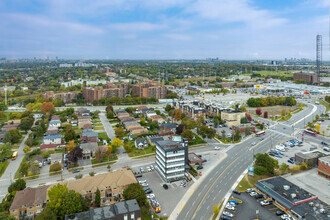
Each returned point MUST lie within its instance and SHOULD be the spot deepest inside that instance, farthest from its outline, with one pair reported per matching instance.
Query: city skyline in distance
(163, 29)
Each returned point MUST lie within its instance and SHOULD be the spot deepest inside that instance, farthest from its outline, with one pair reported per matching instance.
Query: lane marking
(182, 206)
(192, 192)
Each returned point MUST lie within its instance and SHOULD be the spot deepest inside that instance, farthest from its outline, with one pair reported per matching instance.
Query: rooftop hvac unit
(286, 187)
(293, 195)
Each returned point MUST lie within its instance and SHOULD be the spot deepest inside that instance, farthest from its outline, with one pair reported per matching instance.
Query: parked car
(76, 171)
(259, 196)
(230, 207)
(291, 161)
(253, 194)
(144, 184)
(138, 175)
(183, 183)
(224, 217)
(165, 186)
(151, 196)
(148, 191)
(279, 212)
(142, 181)
(237, 192)
(326, 149)
(266, 202)
(152, 167)
(285, 216)
(229, 214)
(234, 201)
(200, 167)
(250, 190)
(323, 143)
(141, 169)
(204, 161)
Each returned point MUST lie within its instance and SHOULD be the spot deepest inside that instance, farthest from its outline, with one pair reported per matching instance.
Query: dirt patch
(273, 110)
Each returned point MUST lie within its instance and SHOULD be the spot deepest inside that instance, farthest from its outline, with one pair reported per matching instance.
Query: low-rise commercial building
(172, 159)
(324, 166)
(232, 117)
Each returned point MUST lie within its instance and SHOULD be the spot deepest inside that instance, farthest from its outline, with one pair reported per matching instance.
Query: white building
(54, 124)
(81, 81)
(52, 139)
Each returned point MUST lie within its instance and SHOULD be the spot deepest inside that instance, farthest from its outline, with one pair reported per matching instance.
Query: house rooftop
(325, 159)
(29, 197)
(53, 136)
(168, 125)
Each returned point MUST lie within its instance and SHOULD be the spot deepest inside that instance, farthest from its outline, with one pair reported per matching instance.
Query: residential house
(52, 139)
(54, 124)
(88, 126)
(48, 147)
(141, 143)
(83, 112)
(88, 135)
(153, 140)
(10, 127)
(74, 122)
(125, 210)
(88, 149)
(150, 113)
(55, 117)
(82, 124)
(167, 129)
(159, 119)
(111, 185)
(29, 202)
(138, 131)
(84, 118)
(51, 132)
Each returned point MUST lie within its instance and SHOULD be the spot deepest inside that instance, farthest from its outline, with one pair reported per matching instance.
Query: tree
(189, 123)
(284, 167)
(63, 202)
(264, 160)
(7, 137)
(142, 121)
(116, 143)
(26, 124)
(215, 210)
(188, 134)
(74, 155)
(45, 154)
(135, 191)
(177, 115)
(18, 185)
(70, 146)
(248, 116)
(168, 108)
(5, 151)
(15, 135)
(109, 151)
(247, 131)
(120, 132)
(258, 111)
(317, 117)
(260, 170)
(46, 214)
(153, 125)
(109, 108)
(303, 166)
(97, 198)
(110, 115)
(283, 112)
(179, 129)
(69, 134)
(46, 107)
(26, 149)
(55, 167)
(237, 135)
(318, 127)
(323, 132)
(265, 114)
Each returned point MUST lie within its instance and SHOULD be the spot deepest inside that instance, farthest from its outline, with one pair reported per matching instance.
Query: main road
(220, 180)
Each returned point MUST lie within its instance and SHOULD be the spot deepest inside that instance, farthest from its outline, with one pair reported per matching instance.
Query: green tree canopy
(135, 191)
(19, 184)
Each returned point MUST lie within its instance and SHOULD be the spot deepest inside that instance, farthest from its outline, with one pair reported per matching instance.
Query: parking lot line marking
(182, 207)
(192, 192)
(273, 208)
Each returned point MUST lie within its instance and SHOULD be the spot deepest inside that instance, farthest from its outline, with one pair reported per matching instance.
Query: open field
(273, 110)
(274, 73)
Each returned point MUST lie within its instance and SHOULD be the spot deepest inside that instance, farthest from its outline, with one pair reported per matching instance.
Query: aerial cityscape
(185, 109)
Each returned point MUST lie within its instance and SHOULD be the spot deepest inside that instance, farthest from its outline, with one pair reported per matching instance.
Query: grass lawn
(273, 110)
(105, 161)
(98, 128)
(197, 140)
(274, 73)
(5, 119)
(326, 105)
(140, 152)
(98, 124)
(17, 174)
(114, 121)
(3, 167)
(78, 131)
(248, 182)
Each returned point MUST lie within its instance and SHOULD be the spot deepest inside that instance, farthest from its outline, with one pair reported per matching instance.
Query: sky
(163, 29)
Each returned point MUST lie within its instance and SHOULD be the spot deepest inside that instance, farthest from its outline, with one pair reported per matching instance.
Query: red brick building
(324, 166)
(149, 90)
(311, 78)
(65, 96)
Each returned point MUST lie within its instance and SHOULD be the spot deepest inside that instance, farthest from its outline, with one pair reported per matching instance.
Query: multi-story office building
(150, 90)
(172, 159)
(65, 96)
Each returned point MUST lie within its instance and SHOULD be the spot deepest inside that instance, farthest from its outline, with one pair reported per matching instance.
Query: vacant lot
(275, 73)
(273, 110)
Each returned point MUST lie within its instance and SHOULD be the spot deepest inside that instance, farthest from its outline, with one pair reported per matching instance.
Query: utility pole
(6, 94)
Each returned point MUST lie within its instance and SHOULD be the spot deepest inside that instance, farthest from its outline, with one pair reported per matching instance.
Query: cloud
(135, 26)
(176, 36)
(230, 11)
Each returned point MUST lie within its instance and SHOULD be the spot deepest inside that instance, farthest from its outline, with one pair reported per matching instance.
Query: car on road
(216, 148)
(279, 212)
(253, 143)
(141, 169)
(204, 161)
(183, 183)
(200, 167)
(152, 167)
(151, 196)
(237, 192)
(250, 190)
(165, 186)
(148, 191)
(327, 149)
(229, 214)
(323, 143)
(253, 194)
(144, 184)
(261, 139)
(76, 171)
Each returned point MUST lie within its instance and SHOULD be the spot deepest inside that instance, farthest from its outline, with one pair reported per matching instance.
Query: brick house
(324, 167)
(88, 135)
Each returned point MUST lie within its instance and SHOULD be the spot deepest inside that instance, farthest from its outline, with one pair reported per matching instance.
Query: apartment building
(65, 96)
(311, 78)
(191, 109)
(111, 185)
(150, 90)
(107, 91)
(172, 159)
(29, 202)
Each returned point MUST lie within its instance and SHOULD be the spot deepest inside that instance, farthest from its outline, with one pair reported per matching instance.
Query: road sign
(251, 170)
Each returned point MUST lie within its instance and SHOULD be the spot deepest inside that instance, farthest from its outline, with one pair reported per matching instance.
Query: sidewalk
(192, 189)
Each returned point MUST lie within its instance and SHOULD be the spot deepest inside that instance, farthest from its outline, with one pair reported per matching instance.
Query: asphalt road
(239, 157)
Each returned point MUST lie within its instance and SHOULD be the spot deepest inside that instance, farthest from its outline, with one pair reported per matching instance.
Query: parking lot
(250, 208)
(167, 198)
